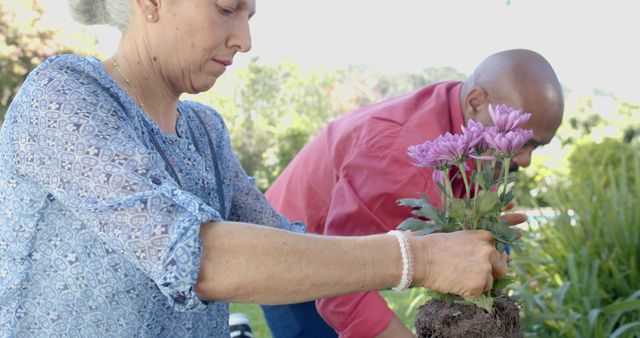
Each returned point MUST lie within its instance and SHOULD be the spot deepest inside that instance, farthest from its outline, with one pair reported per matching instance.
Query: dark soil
(442, 318)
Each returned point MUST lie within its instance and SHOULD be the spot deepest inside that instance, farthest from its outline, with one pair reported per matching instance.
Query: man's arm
(395, 329)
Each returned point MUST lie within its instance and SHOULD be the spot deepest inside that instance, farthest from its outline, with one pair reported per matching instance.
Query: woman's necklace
(126, 79)
(135, 92)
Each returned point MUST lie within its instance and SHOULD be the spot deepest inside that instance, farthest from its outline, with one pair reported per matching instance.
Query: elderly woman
(126, 213)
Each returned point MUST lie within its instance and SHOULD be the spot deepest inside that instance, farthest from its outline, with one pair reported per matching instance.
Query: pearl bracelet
(407, 263)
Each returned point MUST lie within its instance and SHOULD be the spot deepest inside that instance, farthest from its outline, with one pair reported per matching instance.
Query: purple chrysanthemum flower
(426, 156)
(506, 119)
(441, 153)
(507, 143)
(438, 176)
(455, 147)
(474, 132)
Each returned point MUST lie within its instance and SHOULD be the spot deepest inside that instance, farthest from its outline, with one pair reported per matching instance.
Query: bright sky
(591, 43)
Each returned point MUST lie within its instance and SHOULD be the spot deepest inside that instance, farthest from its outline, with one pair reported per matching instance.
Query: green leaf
(423, 208)
(501, 284)
(451, 227)
(477, 178)
(410, 202)
(458, 209)
(515, 247)
(484, 301)
(506, 198)
(412, 224)
(487, 202)
(623, 329)
(487, 178)
(501, 232)
(624, 306)
(429, 229)
(427, 211)
(593, 317)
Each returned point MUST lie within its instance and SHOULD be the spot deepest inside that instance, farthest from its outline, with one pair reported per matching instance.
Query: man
(355, 170)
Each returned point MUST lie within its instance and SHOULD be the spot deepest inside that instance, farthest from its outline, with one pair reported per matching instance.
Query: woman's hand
(463, 262)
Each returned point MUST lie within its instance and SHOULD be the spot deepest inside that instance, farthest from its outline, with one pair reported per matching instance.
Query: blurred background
(315, 60)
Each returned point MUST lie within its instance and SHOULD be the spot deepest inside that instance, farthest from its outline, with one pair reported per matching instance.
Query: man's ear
(474, 101)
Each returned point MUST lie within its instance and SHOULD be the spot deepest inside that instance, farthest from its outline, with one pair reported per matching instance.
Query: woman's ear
(149, 6)
(475, 101)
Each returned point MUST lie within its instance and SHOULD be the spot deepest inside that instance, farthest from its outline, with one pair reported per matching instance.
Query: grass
(256, 318)
(400, 302)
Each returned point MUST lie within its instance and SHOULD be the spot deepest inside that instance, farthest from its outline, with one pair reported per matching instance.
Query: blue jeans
(300, 320)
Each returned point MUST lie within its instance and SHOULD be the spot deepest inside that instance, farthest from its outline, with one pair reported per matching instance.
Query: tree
(26, 41)
(274, 110)
(277, 108)
(394, 85)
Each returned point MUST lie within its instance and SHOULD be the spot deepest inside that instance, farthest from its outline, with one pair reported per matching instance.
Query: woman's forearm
(254, 264)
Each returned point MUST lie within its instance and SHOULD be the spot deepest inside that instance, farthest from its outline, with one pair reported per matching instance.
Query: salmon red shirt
(346, 182)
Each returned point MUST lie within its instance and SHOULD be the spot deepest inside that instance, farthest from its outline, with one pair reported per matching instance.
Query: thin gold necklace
(135, 92)
(126, 79)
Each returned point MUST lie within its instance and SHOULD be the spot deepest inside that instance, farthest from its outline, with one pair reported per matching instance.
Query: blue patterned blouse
(100, 210)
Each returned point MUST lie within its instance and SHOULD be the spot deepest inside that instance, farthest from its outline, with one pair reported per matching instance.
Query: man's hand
(463, 262)
(512, 219)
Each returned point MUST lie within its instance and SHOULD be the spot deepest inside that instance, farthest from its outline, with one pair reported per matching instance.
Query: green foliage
(25, 42)
(273, 112)
(399, 84)
(579, 275)
(598, 116)
(610, 153)
(276, 109)
(404, 304)
(483, 301)
(482, 211)
(528, 189)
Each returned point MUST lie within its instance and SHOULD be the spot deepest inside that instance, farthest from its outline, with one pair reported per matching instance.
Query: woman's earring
(151, 18)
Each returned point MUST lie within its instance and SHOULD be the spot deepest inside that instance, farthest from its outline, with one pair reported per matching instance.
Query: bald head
(521, 79)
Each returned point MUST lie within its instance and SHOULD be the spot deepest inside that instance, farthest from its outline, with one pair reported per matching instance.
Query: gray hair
(97, 12)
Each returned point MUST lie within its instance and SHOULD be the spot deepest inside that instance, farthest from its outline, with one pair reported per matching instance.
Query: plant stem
(477, 185)
(505, 172)
(466, 182)
(447, 183)
(493, 171)
(443, 194)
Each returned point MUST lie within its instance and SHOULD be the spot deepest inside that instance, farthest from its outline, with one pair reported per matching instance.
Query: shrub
(579, 273)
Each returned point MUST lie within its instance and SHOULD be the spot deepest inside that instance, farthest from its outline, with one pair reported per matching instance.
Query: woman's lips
(225, 63)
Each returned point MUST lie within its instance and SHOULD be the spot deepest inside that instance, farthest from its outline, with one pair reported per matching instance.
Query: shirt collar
(457, 119)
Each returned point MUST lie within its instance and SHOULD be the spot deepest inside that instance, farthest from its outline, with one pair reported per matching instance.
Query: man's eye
(227, 11)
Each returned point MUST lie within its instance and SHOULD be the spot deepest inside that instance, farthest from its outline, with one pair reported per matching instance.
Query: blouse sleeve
(248, 204)
(69, 136)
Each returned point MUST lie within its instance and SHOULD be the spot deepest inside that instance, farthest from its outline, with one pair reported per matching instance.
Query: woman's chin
(202, 86)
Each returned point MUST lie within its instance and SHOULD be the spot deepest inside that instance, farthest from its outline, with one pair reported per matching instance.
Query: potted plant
(480, 157)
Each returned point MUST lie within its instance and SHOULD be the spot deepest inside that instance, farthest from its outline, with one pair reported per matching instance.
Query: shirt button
(156, 180)
(180, 298)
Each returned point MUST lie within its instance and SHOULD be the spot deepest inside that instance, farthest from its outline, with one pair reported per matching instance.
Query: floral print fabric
(100, 210)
